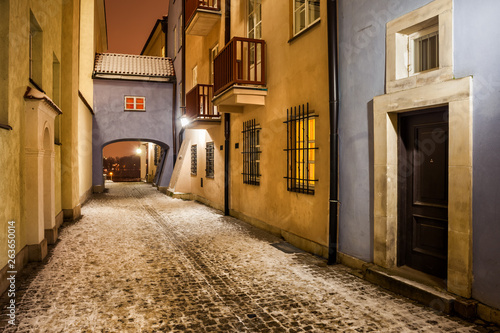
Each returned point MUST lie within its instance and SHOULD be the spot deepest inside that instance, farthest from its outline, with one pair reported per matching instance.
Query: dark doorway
(423, 191)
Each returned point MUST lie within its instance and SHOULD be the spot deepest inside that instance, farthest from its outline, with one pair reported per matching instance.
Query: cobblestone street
(139, 261)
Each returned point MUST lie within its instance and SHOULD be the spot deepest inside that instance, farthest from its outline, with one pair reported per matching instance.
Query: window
(179, 24)
(135, 103)
(254, 19)
(424, 50)
(213, 53)
(175, 41)
(305, 13)
(157, 155)
(56, 80)
(210, 159)
(251, 153)
(195, 75)
(35, 52)
(301, 149)
(194, 160)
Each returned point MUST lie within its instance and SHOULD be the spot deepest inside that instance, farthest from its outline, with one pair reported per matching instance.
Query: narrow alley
(139, 261)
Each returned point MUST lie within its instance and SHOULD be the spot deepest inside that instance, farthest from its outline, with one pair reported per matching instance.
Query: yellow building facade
(271, 80)
(46, 52)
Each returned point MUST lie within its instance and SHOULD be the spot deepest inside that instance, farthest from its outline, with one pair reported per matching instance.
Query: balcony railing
(241, 61)
(199, 103)
(193, 5)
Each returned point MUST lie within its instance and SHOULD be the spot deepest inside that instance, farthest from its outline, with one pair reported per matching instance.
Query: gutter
(334, 114)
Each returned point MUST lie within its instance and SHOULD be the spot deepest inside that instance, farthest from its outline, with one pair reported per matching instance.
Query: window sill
(303, 32)
(6, 127)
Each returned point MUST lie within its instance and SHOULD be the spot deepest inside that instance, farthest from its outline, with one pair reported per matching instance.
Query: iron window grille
(426, 52)
(251, 153)
(157, 153)
(301, 149)
(210, 147)
(194, 160)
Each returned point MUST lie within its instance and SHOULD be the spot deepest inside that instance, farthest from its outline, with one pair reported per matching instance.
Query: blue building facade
(133, 102)
(379, 86)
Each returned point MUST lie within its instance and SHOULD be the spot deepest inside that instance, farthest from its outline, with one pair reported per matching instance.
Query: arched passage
(163, 168)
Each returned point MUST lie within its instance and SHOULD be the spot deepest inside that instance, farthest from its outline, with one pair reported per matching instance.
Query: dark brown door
(423, 191)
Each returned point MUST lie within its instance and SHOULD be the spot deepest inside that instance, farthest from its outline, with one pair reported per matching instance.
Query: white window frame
(213, 53)
(135, 99)
(305, 6)
(253, 17)
(195, 75)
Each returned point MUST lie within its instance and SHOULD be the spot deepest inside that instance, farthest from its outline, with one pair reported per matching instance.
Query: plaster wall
(296, 75)
(111, 123)
(476, 55)
(361, 77)
(69, 106)
(174, 12)
(84, 151)
(14, 78)
(157, 42)
(213, 188)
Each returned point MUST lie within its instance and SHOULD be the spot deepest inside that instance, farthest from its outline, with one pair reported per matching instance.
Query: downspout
(334, 114)
(227, 116)
(164, 28)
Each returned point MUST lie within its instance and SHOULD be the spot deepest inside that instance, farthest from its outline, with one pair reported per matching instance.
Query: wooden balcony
(240, 74)
(199, 107)
(201, 16)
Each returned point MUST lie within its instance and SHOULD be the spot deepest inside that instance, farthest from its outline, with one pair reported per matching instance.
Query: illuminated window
(301, 150)
(305, 13)
(135, 103)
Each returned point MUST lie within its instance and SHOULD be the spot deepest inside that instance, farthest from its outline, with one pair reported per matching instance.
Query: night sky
(129, 24)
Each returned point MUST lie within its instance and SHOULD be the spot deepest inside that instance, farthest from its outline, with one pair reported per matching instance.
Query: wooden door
(423, 191)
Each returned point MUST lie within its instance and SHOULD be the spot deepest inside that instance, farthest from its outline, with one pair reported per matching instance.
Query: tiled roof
(135, 65)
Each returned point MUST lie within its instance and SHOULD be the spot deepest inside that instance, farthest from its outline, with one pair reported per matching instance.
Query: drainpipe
(164, 28)
(227, 116)
(334, 114)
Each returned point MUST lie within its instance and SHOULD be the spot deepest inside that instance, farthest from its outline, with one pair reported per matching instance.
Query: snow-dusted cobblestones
(139, 261)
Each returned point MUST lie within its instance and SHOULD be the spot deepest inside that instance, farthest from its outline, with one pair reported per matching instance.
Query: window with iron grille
(301, 149)
(251, 153)
(194, 160)
(210, 159)
(157, 156)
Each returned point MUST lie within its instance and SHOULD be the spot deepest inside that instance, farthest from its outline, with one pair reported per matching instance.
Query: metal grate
(251, 152)
(194, 159)
(210, 159)
(301, 149)
(427, 52)
(157, 154)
